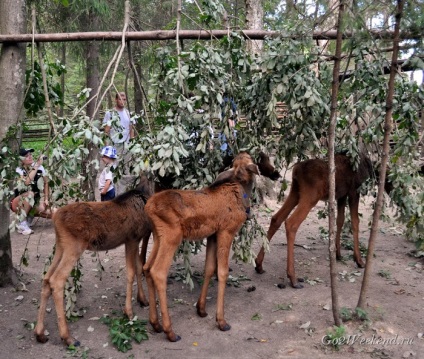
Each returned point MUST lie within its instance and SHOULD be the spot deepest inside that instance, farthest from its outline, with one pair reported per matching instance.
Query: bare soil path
(267, 322)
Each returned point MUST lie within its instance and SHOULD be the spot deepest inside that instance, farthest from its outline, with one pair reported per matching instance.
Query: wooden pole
(189, 34)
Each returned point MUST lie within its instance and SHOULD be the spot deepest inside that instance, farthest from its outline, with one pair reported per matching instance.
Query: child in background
(106, 188)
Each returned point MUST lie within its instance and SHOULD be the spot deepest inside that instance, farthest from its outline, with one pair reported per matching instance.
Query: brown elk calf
(216, 212)
(95, 226)
(309, 185)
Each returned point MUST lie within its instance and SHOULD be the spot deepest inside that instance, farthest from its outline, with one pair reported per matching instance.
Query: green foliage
(77, 352)
(361, 314)
(336, 336)
(236, 281)
(123, 331)
(286, 73)
(186, 250)
(35, 99)
(256, 316)
(73, 286)
(242, 244)
(283, 307)
(345, 314)
(384, 273)
(408, 195)
(212, 14)
(348, 244)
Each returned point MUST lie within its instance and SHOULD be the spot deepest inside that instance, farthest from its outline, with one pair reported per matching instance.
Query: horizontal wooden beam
(184, 34)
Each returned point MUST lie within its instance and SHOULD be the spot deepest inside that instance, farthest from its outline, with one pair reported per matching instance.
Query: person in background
(228, 113)
(31, 197)
(119, 128)
(106, 188)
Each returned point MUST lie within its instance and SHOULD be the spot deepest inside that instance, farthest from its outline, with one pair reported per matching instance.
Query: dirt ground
(267, 322)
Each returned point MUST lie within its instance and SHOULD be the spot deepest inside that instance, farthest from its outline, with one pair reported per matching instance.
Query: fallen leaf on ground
(409, 354)
(305, 325)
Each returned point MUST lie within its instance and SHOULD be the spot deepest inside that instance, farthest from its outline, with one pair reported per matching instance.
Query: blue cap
(109, 151)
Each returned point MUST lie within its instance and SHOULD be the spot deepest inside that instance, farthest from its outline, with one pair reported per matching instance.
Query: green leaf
(256, 316)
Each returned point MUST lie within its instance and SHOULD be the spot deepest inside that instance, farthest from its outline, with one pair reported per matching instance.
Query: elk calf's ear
(253, 168)
(225, 175)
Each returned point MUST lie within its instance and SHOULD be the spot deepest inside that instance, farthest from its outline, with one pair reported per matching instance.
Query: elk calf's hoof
(201, 313)
(297, 286)
(259, 270)
(224, 327)
(41, 338)
(72, 343)
(174, 338)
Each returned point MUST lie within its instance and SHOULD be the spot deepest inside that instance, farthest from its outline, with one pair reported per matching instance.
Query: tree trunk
(89, 183)
(12, 79)
(328, 24)
(92, 49)
(254, 21)
(388, 125)
(332, 169)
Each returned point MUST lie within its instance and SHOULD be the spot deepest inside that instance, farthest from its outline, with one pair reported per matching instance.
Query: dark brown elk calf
(264, 164)
(309, 185)
(216, 212)
(95, 226)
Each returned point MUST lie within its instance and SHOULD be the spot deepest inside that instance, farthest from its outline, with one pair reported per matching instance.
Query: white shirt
(36, 185)
(106, 174)
(119, 127)
(22, 172)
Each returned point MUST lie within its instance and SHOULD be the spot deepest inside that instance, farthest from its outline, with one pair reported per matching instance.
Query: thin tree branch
(388, 125)
(139, 85)
(121, 50)
(332, 169)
